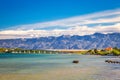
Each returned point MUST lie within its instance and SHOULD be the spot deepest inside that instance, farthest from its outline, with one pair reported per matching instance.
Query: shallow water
(57, 67)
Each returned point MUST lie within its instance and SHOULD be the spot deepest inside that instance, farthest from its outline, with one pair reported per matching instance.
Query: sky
(39, 18)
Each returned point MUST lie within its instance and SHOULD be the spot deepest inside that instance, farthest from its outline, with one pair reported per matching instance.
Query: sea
(57, 67)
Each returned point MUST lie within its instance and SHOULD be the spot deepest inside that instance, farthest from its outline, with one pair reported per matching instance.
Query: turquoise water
(44, 63)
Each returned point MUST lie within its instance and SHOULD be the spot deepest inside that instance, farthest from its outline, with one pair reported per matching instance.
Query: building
(108, 48)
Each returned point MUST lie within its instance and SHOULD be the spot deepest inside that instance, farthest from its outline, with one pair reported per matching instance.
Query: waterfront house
(108, 48)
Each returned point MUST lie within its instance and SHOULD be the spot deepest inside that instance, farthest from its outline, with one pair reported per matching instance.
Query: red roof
(108, 48)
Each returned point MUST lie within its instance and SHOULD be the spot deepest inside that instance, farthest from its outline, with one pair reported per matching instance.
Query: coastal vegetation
(107, 51)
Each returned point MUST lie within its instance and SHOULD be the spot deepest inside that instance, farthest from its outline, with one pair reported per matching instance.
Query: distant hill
(96, 40)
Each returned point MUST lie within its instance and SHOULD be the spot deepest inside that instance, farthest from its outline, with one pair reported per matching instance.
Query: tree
(116, 52)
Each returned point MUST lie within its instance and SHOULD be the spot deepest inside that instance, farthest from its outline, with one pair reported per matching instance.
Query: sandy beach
(65, 74)
(60, 74)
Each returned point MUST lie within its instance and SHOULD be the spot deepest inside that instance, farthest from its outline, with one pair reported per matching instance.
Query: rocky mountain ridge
(96, 40)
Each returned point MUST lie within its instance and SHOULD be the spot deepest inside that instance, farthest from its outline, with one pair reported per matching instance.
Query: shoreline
(108, 51)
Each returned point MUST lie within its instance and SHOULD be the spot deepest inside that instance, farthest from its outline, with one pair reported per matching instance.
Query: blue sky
(55, 15)
(17, 12)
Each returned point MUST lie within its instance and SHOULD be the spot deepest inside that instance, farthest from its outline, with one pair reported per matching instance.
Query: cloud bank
(103, 22)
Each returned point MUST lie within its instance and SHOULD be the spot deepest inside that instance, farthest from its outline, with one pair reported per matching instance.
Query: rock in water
(75, 61)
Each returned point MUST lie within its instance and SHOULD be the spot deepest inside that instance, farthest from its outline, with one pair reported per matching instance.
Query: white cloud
(109, 16)
(78, 25)
(78, 30)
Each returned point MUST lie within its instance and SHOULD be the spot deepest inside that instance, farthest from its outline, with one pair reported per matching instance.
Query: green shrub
(116, 52)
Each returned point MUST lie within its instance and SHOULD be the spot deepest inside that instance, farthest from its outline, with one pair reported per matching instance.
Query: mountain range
(96, 40)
